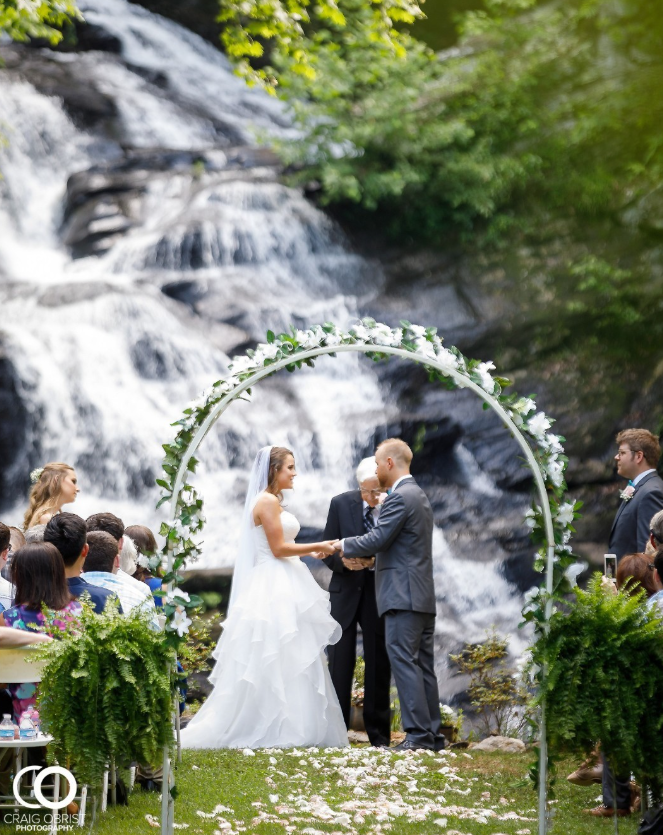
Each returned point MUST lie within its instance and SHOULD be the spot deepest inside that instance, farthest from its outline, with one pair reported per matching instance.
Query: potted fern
(106, 694)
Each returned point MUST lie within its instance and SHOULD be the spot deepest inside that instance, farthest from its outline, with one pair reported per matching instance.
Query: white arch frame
(168, 804)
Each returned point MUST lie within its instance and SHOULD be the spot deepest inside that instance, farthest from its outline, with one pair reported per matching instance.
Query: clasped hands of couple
(353, 564)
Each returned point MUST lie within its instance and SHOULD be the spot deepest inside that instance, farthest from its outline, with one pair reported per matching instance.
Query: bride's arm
(267, 512)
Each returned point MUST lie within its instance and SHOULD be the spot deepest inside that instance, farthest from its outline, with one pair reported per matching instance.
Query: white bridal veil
(246, 553)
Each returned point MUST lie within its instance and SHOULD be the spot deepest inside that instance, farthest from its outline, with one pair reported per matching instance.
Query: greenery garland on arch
(422, 342)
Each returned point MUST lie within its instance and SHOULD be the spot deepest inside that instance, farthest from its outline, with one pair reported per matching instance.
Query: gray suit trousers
(409, 638)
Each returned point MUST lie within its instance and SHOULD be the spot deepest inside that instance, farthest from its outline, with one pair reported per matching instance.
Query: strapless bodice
(290, 531)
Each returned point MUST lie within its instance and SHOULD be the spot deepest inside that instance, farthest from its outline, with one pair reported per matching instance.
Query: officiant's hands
(358, 563)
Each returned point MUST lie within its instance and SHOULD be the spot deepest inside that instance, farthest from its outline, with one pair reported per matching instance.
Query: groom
(402, 541)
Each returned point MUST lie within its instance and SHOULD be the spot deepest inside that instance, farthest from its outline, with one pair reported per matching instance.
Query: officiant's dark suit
(403, 543)
(630, 530)
(352, 595)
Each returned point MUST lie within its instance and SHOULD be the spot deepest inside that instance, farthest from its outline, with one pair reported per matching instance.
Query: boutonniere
(627, 493)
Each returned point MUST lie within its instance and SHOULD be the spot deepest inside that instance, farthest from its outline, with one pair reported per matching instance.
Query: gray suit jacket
(402, 541)
(630, 530)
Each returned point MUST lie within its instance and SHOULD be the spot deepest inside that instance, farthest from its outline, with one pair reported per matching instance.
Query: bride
(272, 688)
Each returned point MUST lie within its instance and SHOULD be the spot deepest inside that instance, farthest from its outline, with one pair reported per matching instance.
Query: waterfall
(143, 243)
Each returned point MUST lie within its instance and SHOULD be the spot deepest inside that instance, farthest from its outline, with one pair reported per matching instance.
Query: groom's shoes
(407, 745)
(440, 743)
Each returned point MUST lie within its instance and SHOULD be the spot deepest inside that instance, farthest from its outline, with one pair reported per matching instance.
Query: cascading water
(140, 252)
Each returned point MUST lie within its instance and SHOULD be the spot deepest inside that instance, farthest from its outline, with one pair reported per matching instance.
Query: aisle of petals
(368, 790)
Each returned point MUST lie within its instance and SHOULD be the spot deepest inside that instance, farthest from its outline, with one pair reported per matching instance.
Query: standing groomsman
(352, 594)
(637, 458)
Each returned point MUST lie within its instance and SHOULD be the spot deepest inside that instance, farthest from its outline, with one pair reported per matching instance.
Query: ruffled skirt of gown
(272, 687)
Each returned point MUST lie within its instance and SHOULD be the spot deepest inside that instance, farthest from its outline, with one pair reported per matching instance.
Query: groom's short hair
(641, 440)
(398, 450)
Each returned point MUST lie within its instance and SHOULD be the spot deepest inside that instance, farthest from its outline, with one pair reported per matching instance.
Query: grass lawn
(360, 790)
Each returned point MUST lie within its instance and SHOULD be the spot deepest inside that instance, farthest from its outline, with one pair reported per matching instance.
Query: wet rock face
(15, 424)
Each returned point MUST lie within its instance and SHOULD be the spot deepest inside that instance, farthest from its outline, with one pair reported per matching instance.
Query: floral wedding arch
(550, 520)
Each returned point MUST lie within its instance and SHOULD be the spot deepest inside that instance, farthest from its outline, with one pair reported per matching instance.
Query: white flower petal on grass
(273, 798)
(248, 752)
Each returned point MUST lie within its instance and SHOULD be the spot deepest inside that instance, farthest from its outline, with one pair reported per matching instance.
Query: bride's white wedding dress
(272, 688)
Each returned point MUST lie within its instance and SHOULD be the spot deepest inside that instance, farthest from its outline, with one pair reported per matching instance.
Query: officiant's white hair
(366, 469)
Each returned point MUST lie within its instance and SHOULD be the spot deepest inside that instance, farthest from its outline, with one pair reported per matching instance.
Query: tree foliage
(603, 663)
(299, 34)
(22, 20)
(539, 102)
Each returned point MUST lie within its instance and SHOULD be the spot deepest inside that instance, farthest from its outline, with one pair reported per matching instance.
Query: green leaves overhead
(25, 19)
(296, 33)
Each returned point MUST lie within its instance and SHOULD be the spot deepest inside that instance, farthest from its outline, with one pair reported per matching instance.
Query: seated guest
(35, 533)
(54, 485)
(113, 525)
(6, 591)
(39, 580)
(69, 535)
(102, 568)
(146, 545)
(16, 541)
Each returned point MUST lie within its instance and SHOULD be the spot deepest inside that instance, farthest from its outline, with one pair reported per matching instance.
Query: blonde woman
(54, 485)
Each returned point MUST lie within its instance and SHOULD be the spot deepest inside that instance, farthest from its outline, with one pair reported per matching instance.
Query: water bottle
(6, 727)
(36, 721)
(26, 730)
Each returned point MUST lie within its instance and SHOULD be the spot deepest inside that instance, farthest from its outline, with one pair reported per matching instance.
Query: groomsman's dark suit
(352, 596)
(630, 530)
(403, 543)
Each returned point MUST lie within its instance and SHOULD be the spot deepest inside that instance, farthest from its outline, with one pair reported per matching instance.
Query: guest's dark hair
(277, 458)
(107, 522)
(634, 574)
(102, 553)
(143, 539)
(68, 533)
(38, 575)
(5, 536)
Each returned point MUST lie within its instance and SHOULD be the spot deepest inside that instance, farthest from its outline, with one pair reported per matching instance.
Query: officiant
(352, 594)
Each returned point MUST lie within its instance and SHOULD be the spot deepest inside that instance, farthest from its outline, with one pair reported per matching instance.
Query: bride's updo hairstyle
(45, 492)
(277, 459)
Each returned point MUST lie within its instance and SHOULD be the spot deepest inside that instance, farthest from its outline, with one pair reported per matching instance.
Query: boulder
(504, 744)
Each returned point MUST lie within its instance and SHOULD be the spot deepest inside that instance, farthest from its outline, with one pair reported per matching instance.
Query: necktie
(630, 483)
(369, 521)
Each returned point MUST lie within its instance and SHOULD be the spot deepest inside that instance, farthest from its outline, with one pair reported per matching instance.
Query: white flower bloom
(538, 425)
(307, 339)
(265, 352)
(487, 382)
(555, 470)
(565, 514)
(532, 594)
(524, 405)
(332, 339)
(180, 622)
(143, 561)
(573, 571)
(418, 332)
(381, 335)
(553, 443)
(360, 332)
(425, 347)
(530, 518)
(447, 361)
(177, 593)
(241, 364)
